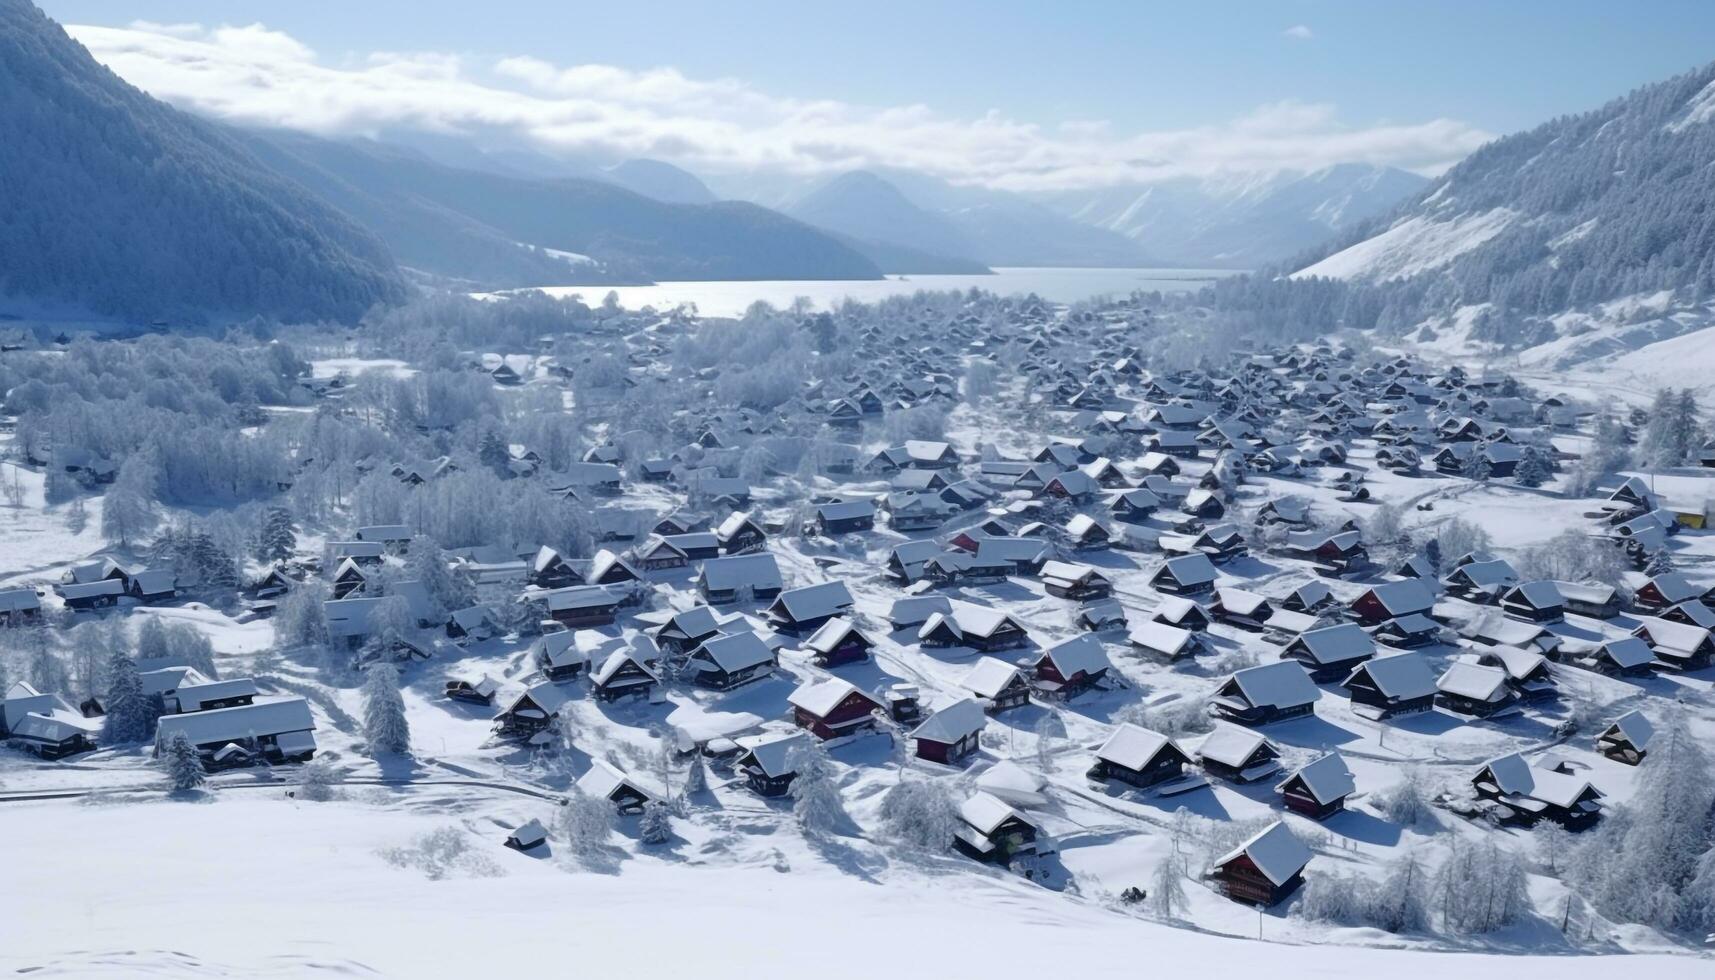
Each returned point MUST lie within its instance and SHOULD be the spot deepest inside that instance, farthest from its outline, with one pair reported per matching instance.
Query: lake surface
(1055, 285)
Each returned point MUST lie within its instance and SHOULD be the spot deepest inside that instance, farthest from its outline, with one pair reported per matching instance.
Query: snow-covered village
(1010, 491)
(1314, 643)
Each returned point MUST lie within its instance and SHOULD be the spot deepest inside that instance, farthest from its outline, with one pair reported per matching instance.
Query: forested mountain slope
(472, 224)
(1585, 209)
(114, 203)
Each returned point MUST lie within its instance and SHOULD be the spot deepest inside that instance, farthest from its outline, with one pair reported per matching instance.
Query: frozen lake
(731, 298)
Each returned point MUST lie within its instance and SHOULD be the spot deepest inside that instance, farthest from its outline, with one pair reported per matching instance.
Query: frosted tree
(1476, 466)
(1050, 731)
(391, 623)
(1166, 891)
(919, 814)
(494, 454)
(276, 539)
(696, 777)
(1636, 865)
(1479, 889)
(317, 782)
(299, 619)
(656, 824)
(586, 822)
(427, 563)
(1459, 537)
(815, 792)
(130, 712)
(385, 727)
(183, 763)
(1400, 903)
(128, 512)
(1532, 470)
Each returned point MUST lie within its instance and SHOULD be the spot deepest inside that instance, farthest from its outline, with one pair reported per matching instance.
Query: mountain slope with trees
(491, 227)
(116, 204)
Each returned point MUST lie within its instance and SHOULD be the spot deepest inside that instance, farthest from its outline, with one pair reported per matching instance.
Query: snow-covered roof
(736, 651)
(760, 572)
(1635, 726)
(603, 780)
(1160, 637)
(831, 634)
(1629, 651)
(241, 722)
(1402, 675)
(820, 697)
(989, 677)
(192, 697)
(913, 610)
(814, 601)
(1081, 653)
(1336, 644)
(985, 813)
(1405, 596)
(1240, 602)
(1327, 778)
(1282, 685)
(1231, 745)
(1013, 783)
(1475, 681)
(1131, 746)
(1275, 851)
(1191, 569)
(955, 721)
(772, 752)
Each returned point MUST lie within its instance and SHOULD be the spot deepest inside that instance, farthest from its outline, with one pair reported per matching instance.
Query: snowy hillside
(1243, 222)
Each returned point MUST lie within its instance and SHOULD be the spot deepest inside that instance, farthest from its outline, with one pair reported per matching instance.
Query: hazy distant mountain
(661, 181)
(864, 206)
(113, 202)
(981, 226)
(1242, 222)
(471, 224)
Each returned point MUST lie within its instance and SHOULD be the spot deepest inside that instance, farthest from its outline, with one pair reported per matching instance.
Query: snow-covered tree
(656, 824)
(276, 539)
(130, 712)
(586, 822)
(183, 763)
(919, 814)
(317, 782)
(1479, 888)
(299, 620)
(385, 727)
(815, 791)
(696, 777)
(1532, 470)
(1636, 867)
(1166, 890)
(1400, 902)
(128, 511)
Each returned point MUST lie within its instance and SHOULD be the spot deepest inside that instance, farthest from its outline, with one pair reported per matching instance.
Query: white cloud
(1299, 32)
(255, 75)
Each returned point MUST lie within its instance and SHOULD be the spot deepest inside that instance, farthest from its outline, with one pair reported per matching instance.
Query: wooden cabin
(1264, 870)
(1139, 758)
(832, 708)
(950, 734)
(1318, 790)
(1400, 684)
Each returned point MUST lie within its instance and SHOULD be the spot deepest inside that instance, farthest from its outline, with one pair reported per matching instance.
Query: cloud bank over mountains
(259, 76)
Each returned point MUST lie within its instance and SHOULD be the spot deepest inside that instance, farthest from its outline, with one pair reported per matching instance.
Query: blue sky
(1150, 89)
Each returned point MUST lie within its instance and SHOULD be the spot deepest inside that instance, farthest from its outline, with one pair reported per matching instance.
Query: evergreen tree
(276, 539)
(696, 777)
(495, 454)
(426, 563)
(183, 763)
(656, 825)
(1476, 466)
(385, 727)
(131, 713)
(815, 792)
(1532, 470)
